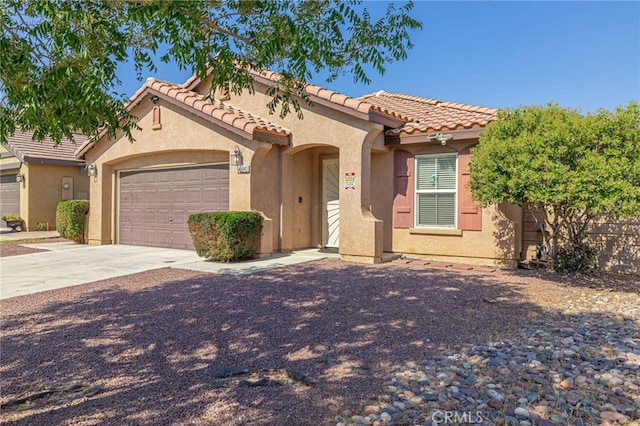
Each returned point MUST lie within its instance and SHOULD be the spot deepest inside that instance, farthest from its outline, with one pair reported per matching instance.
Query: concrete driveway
(68, 264)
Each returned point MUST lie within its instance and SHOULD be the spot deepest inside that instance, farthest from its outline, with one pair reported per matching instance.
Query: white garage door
(155, 204)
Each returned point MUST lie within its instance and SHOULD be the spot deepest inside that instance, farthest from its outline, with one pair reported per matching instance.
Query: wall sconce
(92, 170)
(20, 178)
(441, 137)
(236, 157)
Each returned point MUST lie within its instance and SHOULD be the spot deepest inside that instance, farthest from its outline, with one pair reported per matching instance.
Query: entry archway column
(361, 233)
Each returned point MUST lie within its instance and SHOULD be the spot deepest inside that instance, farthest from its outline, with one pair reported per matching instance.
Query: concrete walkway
(68, 264)
(6, 234)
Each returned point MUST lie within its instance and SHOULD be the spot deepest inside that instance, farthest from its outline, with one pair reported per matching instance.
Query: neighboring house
(36, 176)
(381, 173)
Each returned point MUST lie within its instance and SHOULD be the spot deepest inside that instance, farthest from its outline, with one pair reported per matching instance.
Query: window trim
(417, 193)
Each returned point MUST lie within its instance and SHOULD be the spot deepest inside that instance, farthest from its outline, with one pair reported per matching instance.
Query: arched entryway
(310, 198)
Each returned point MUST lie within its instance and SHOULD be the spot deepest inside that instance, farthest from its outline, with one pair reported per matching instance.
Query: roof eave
(54, 161)
(425, 137)
(14, 151)
(272, 138)
(10, 166)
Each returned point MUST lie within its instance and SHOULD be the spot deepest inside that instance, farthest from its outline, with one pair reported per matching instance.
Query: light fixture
(154, 99)
(443, 138)
(92, 170)
(65, 185)
(20, 178)
(236, 157)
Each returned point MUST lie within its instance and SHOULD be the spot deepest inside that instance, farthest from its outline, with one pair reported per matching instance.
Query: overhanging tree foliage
(566, 165)
(58, 59)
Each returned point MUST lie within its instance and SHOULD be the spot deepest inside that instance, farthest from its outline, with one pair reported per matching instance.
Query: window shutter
(469, 212)
(403, 189)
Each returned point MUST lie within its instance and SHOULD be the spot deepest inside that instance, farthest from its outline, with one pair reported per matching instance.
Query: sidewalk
(68, 264)
(6, 234)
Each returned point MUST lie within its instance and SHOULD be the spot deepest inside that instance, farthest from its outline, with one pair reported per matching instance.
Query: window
(436, 190)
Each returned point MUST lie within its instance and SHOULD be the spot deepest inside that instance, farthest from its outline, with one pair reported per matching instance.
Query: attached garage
(9, 195)
(154, 205)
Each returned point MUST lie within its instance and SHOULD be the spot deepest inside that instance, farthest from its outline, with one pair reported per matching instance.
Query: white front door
(331, 203)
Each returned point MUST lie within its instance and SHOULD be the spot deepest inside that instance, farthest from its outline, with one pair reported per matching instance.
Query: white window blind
(436, 184)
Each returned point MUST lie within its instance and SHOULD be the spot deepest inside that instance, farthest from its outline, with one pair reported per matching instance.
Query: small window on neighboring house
(436, 190)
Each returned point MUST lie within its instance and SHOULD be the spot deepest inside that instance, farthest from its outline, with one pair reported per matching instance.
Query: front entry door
(331, 203)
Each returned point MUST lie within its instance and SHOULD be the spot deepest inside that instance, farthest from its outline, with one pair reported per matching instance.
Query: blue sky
(584, 55)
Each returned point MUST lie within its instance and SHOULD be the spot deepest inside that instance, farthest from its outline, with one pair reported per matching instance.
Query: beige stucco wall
(382, 194)
(42, 191)
(617, 242)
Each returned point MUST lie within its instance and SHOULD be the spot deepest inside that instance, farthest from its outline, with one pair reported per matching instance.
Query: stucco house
(384, 173)
(36, 176)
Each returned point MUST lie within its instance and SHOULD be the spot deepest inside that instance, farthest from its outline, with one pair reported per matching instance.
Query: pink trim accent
(469, 212)
(403, 189)
(156, 115)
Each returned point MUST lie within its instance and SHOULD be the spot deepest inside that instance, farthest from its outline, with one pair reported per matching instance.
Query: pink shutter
(469, 212)
(403, 189)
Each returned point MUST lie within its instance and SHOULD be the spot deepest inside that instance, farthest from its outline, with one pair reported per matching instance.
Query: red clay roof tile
(429, 115)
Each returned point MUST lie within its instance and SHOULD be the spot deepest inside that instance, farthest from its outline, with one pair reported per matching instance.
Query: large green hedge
(70, 219)
(226, 236)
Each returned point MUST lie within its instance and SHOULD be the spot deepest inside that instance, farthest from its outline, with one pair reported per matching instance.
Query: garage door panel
(181, 238)
(161, 238)
(195, 195)
(178, 195)
(155, 204)
(9, 195)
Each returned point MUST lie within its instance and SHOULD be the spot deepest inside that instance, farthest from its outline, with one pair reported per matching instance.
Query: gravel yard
(324, 343)
(15, 249)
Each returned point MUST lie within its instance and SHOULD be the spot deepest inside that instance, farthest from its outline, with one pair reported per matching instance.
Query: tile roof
(29, 151)
(429, 115)
(218, 110)
(238, 121)
(317, 93)
(357, 105)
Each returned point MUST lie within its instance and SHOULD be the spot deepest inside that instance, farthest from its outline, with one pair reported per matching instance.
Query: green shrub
(226, 236)
(580, 257)
(70, 219)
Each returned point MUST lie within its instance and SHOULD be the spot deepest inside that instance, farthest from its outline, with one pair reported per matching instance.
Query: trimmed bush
(226, 236)
(70, 219)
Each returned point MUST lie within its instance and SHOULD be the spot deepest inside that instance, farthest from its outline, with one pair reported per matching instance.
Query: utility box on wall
(67, 188)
